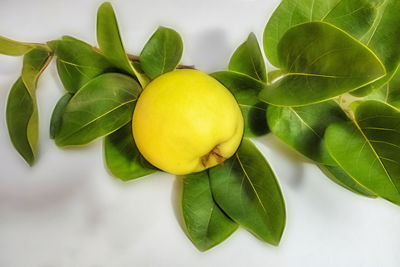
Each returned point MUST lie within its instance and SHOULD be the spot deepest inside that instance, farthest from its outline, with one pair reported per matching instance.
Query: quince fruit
(186, 121)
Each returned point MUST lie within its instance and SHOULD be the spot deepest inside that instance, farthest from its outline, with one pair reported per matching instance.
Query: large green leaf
(13, 48)
(339, 176)
(246, 89)
(78, 62)
(22, 114)
(246, 189)
(162, 52)
(110, 42)
(368, 148)
(249, 60)
(101, 107)
(353, 16)
(384, 39)
(122, 156)
(320, 62)
(206, 224)
(303, 128)
(56, 117)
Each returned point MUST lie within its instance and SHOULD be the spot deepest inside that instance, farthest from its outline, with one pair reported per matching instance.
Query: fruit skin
(186, 121)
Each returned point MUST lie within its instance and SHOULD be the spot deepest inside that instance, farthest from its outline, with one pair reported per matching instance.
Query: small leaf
(162, 52)
(20, 111)
(206, 224)
(110, 42)
(123, 158)
(320, 62)
(13, 48)
(303, 128)
(352, 16)
(368, 148)
(22, 114)
(383, 39)
(246, 189)
(389, 93)
(249, 60)
(35, 61)
(245, 89)
(56, 117)
(339, 176)
(101, 107)
(78, 62)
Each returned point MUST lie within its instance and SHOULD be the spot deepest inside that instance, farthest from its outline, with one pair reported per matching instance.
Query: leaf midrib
(97, 118)
(375, 154)
(252, 186)
(301, 120)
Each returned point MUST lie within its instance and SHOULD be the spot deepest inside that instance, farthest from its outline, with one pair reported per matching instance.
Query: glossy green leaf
(110, 42)
(162, 52)
(384, 38)
(13, 48)
(303, 128)
(206, 224)
(56, 117)
(368, 148)
(101, 107)
(246, 189)
(122, 156)
(353, 16)
(339, 176)
(246, 89)
(320, 62)
(78, 62)
(249, 60)
(21, 113)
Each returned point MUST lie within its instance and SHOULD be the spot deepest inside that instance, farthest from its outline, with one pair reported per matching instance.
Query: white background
(68, 211)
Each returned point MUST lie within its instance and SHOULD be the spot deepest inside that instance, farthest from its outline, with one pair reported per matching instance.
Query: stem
(137, 58)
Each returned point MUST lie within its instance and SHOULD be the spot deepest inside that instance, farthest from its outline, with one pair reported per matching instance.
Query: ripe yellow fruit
(186, 121)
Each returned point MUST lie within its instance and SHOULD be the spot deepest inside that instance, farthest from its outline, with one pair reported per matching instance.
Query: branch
(136, 58)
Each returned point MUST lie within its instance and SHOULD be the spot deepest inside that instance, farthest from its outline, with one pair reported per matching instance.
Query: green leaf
(339, 176)
(13, 48)
(123, 158)
(249, 60)
(206, 224)
(110, 42)
(56, 117)
(383, 39)
(99, 108)
(246, 189)
(353, 16)
(78, 62)
(35, 61)
(303, 128)
(245, 89)
(368, 148)
(320, 62)
(21, 113)
(162, 52)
